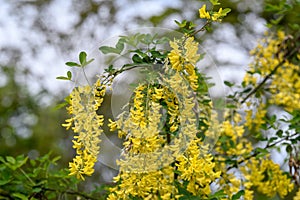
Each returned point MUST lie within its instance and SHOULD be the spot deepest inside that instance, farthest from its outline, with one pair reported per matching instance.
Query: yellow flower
(297, 196)
(86, 123)
(217, 15)
(267, 178)
(203, 13)
(183, 55)
(112, 125)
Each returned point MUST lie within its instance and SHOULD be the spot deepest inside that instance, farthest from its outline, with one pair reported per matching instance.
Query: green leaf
(4, 182)
(21, 160)
(69, 74)
(20, 196)
(36, 190)
(214, 2)
(272, 139)
(72, 64)
(137, 59)
(55, 159)
(225, 11)
(110, 69)
(60, 105)
(289, 148)
(120, 45)
(229, 84)
(247, 90)
(218, 195)
(11, 159)
(82, 57)
(107, 50)
(162, 40)
(88, 62)
(279, 133)
(260, 152)
(148, 39)
(238, 195)
(62, 78)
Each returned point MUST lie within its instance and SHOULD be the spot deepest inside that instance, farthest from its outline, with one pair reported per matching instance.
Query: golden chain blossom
(267, 178)
(285, 83)
(86, 124)
(152, 149)
(183, 58)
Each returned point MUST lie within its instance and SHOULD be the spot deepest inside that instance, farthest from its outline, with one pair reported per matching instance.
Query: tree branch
(287, 56)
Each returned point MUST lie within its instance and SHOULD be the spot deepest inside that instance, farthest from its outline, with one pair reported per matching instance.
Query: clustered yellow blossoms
(258, 174)
(86, 124)
(285, 83)
(266, 177)
(212, 15)
(254, 120)
(261, 175)
(158, 154)
(183, 59)
(163, 156)
(297, 197)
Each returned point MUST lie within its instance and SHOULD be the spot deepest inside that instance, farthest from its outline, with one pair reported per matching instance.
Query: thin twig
(268, 146)
(202, 28)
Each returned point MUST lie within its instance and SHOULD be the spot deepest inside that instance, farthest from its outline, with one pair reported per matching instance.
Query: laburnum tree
(178, 141)
(175, 144)
(170, 119)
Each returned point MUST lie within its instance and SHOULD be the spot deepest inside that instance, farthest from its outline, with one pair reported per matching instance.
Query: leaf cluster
(24, 178)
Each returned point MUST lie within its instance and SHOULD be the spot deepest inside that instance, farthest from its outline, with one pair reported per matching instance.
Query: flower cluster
(197, 170)
(183, 58)
(161, 147)
(232, 142)
(266, 177)
(213, 15)
(270, 60)
(297, 197)
(86, 124)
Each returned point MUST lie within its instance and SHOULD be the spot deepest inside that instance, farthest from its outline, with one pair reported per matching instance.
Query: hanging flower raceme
(86, 125)
(267, 178)
(270, 61)
(183, 58)
(161, 147)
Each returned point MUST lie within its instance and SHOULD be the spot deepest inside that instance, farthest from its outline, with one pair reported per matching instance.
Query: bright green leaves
(238, 195)
(214, 2)
(260, 152)
(72, 64)
(133, 41)
(141, 48)
(225, 11)
(110, 69)
(83, 62)
(24, 178)
(218, 195)
(151, 56)
(117, 49)
(185, 26)
(14, 163)
(82, 59)
(228, 83)
(284, 14)
(68, 77)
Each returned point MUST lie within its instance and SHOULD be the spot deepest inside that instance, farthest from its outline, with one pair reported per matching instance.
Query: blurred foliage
(24, 178)
(25, 123)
